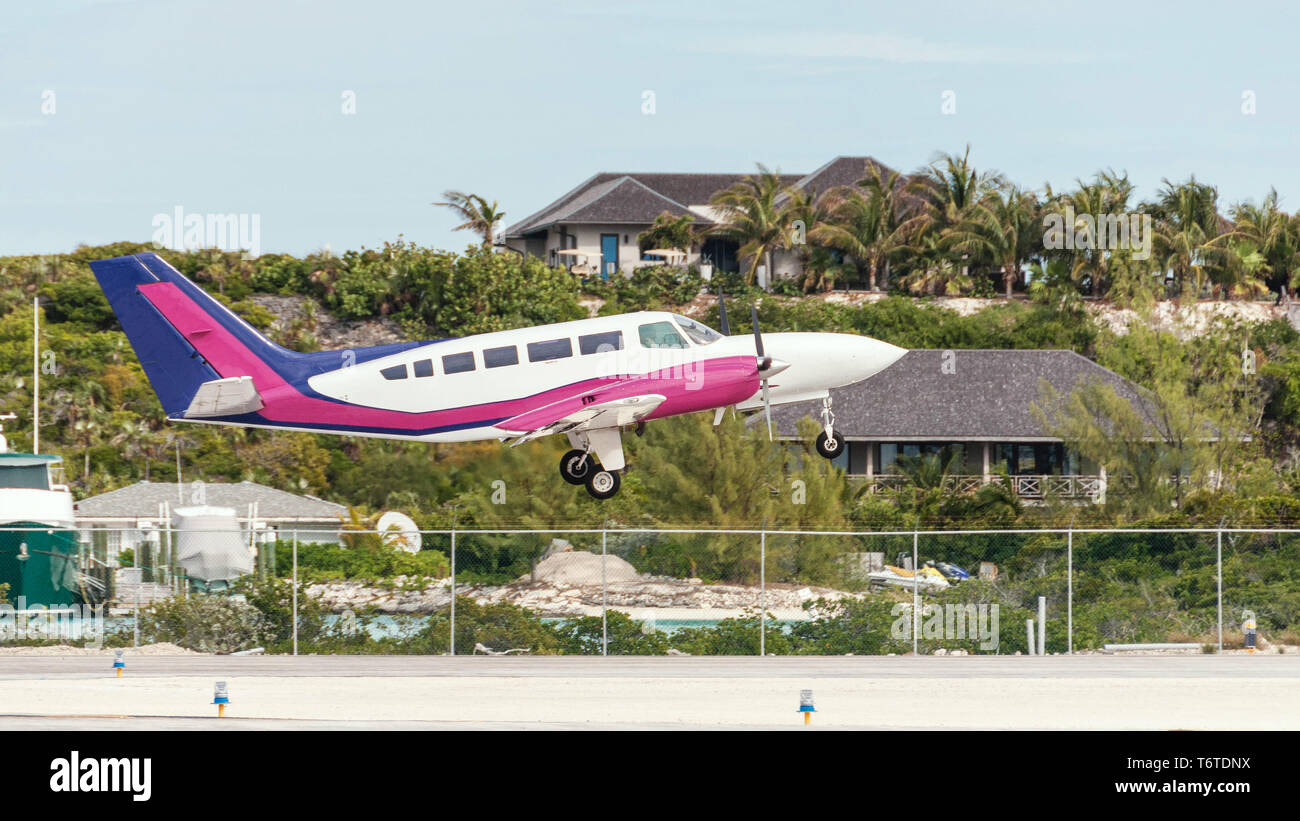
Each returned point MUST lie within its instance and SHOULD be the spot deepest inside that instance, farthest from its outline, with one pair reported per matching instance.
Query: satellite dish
(398, 530)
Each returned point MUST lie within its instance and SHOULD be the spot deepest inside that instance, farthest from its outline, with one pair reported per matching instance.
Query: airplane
(588, 379)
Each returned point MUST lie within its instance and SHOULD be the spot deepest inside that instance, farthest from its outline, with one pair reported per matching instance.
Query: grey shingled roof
(838, 172)
(622, 200)
(988, 397)
(608, 197)
(142, 499)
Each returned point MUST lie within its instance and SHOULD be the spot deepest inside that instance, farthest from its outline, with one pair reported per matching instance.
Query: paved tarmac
(559, 693)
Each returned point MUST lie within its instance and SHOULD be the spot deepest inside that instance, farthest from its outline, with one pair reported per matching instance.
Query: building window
(600, 343)
(423, 368)
(550, 349)
(458, 362)
(395, 372)
(857, 458)
(500, 357)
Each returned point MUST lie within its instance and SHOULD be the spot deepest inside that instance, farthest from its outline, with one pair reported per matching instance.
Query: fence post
(295, 591)
(1069, 590)
(1219, 573)
(453, 584)
(916, 591)
(135, 630)
(1042, 625)
(604, 621)
(762, 591)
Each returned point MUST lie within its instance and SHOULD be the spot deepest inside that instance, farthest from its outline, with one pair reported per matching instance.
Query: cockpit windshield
(699, 333)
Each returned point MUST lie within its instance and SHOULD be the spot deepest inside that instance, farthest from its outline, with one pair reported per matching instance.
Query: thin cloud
(885, 48)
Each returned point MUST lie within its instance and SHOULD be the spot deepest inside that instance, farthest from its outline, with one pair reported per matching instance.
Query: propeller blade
(722, 312)
(758, 337)
(767, 410)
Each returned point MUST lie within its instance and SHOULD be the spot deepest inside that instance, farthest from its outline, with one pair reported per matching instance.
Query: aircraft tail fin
(183, 337)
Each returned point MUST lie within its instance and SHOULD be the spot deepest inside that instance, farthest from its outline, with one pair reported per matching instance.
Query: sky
(337, 124)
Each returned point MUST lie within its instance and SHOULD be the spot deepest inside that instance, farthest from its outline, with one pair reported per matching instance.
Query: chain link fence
(655, 592)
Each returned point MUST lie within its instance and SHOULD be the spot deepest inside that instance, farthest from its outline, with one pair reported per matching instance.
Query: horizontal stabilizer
(225, 397)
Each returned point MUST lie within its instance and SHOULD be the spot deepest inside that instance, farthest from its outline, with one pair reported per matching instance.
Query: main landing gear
(595, 461)
(578, 467)
(829, 444)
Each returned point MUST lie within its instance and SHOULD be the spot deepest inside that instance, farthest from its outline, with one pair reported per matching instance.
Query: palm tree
(947, 187)
(751, 215)
(1187, 220)
(1107, 194)
(1003, 226)
(1271, 233)
(80, 409)
(479, 216)
(934, 270)
(1241, 270)
(805, 208)
(944, 192)
(866, 222)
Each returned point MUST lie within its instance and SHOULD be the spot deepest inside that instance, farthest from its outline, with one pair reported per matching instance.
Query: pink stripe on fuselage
(712, 383)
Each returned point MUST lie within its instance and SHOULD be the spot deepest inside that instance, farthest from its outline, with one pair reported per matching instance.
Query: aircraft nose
(862, 356)
(828, 360)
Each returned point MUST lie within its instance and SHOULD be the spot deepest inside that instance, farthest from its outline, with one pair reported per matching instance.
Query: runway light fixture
(220, 697)
(806, 705)
(1249, 627)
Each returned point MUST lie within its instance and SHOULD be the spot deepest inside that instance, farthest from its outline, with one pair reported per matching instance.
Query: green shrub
(208, 624)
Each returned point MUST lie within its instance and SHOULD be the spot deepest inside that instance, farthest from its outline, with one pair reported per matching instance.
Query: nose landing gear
(829, 444)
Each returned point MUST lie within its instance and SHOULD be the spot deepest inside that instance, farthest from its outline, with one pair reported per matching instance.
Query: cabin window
(600, 343)
(423, 367)
(550, 349)
(699, 332)
(458, 362)
(500, 357)
(395, 372)
(661, 335)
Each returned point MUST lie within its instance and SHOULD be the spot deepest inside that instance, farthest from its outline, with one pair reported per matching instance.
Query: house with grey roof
(974, 405)
(124, 518)
(594, 227)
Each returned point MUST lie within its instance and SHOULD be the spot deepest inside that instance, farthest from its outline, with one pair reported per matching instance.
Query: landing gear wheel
(830, 448)
(576, 466)
(602, 484)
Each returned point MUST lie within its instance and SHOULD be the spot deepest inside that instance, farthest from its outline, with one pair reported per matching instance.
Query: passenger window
(661, 335)
(458, 362)
(395, 372)
(424, 367)
(600, 343)
(500, 357)
(550, 349)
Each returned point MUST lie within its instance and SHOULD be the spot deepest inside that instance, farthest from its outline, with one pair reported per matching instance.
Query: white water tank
(209, 544)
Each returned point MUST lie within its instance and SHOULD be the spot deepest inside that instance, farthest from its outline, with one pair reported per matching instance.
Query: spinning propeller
(767, 367)
(764, 368)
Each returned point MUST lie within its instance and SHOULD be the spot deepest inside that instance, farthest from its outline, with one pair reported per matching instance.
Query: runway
(425, 692)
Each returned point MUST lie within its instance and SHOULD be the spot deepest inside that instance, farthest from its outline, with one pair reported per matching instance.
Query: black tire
(574, 468)
(603, 484)
(830, 448)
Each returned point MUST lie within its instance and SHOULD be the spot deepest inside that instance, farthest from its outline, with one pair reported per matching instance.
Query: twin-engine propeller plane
(587, 379)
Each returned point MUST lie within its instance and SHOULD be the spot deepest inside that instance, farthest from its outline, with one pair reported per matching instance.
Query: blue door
(608, 255)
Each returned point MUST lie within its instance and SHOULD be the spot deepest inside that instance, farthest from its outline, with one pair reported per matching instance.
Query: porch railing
(1031, 487)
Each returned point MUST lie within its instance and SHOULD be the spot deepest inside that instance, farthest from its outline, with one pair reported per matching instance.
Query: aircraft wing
(571, 414)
